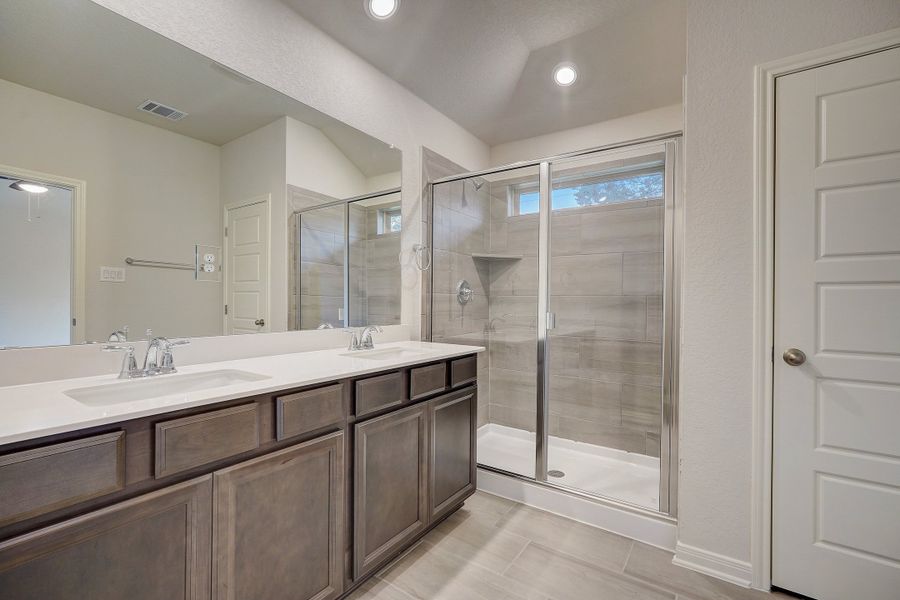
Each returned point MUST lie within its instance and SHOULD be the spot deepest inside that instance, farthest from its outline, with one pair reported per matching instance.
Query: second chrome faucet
(361, 339)
(159, 359)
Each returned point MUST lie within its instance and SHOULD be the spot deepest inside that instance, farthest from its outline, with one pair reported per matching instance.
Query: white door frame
(261, 199)
(78, 188)
(764, 279)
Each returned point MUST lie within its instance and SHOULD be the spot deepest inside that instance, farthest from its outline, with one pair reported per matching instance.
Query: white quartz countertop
(39, 409)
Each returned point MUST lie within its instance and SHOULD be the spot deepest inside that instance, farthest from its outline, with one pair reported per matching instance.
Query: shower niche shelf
(497, 256)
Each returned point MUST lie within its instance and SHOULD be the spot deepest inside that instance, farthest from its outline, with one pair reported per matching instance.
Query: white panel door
(836, 509)
(247, 268)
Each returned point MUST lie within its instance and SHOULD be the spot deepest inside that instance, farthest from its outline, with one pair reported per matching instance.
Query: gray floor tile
(378, 589)
(474, 538)
(590, 544)
(430, 573)
(655, 566)
(563, 577)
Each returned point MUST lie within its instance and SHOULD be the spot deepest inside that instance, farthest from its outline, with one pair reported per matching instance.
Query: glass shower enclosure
(564, 269)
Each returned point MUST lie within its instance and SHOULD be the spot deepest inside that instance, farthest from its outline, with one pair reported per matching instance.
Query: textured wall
(725, 40)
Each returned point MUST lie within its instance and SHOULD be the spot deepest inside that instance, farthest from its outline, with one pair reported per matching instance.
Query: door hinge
(73, 321)
(226, 309)
(226, 232)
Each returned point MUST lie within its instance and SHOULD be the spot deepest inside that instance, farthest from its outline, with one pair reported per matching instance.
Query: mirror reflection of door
(36, 271)
(247, 267)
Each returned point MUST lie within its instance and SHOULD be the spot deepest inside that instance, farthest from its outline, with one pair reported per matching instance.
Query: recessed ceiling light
(382, 9)
(565, 74)
(31, 188)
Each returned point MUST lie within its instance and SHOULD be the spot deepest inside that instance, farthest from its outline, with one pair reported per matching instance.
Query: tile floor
(496, 549)
(624, 476)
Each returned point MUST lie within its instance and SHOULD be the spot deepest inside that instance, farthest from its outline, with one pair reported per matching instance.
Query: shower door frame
(672, 238)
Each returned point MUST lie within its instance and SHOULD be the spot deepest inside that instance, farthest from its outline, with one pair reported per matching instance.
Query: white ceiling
(86, 53)
(487, 64)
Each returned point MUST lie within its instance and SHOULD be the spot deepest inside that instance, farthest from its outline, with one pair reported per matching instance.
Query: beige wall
(140, 180)
(658, 121)
(725, 40)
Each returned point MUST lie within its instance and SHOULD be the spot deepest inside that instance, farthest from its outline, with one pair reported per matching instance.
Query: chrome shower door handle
(794, 357)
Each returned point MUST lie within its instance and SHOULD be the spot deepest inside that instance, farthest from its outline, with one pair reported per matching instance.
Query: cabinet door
(278, 524)
(451, 451)
(390, 486)
(153, 547)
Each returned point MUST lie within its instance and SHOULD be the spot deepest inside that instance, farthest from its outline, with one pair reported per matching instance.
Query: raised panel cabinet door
(278, 524)
(152, 547)
(390, 485)
(451, 451)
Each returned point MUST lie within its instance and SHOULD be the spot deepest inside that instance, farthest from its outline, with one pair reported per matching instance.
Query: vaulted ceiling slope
(487, 64)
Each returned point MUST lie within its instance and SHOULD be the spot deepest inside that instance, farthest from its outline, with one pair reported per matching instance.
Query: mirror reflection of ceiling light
(565, 74)
(31, 188)
(382, 9)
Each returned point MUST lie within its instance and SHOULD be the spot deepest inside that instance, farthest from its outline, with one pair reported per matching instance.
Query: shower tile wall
(382, 272)
(606, 285)
(461, 218)
(374, 269)
(321, 268)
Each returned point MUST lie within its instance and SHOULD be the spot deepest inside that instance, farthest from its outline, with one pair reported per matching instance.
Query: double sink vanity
(290, 476)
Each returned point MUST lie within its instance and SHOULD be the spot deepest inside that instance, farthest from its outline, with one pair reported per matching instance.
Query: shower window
(571, 263)
(580, 191)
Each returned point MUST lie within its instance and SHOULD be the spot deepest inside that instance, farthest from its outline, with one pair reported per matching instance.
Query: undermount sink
(160, 385)
(384, 354)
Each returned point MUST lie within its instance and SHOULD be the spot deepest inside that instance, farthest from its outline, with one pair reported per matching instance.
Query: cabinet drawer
(34, 482)
(376, 393)
(463, 370)
(307, 411)
(189, 442)
(427, 380)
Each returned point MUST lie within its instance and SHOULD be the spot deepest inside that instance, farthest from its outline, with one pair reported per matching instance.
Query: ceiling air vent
(161, 110)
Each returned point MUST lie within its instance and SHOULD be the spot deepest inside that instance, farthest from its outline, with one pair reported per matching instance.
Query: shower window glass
(580, 191)
(390, 220)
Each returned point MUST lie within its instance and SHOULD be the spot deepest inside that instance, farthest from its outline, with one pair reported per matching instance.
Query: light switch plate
(112, 274)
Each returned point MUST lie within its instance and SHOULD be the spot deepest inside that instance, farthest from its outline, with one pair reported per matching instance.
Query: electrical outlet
(112, 274)
(208, 268)
(209, 258)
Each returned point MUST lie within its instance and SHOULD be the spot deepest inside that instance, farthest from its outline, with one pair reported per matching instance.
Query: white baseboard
(715, 565)
(637, 525)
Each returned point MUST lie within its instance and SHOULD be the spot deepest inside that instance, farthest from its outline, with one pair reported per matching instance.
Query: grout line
(515, 558)
(628, 557)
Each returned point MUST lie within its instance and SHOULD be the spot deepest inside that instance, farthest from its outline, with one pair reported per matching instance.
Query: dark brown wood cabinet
(298, 494)
(278, 524)
(451, 451)
(153, 547)
(390, 485)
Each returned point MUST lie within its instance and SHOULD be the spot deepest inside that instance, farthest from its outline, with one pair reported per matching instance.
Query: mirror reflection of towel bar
(161, 264)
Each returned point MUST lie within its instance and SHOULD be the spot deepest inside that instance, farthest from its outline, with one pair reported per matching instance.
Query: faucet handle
(354, 338)
(167, 364)
(129, 363)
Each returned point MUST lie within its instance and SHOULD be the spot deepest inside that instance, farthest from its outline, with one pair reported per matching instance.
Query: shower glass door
(605, 394)
(564, 271)
(484, 291)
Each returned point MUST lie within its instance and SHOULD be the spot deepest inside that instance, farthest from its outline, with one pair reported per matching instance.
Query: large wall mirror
(145, 186)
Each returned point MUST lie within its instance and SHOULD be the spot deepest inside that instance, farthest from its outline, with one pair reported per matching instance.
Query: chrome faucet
(159, 359)
(361, 339)
(365, 337)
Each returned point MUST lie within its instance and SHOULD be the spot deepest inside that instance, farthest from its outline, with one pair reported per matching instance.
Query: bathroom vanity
(297, 484)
